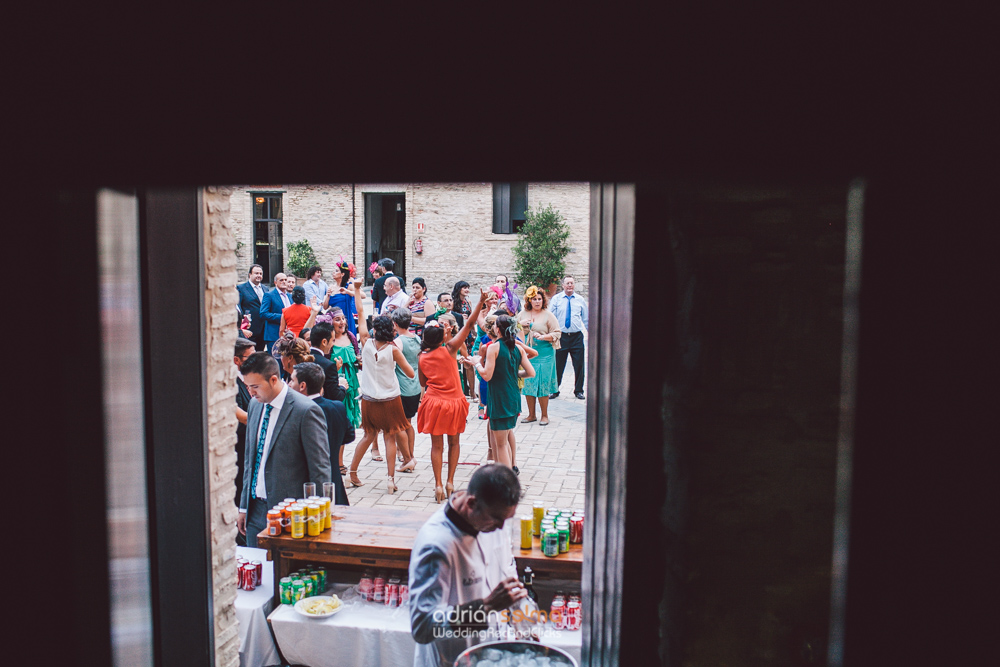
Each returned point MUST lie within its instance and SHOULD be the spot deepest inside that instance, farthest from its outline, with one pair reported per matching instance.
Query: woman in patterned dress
(542, 332)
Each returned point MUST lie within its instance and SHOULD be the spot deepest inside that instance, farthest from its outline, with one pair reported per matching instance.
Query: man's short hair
(394, 279)
(319, 333)
(495, 485)
(312, 271)
(387, 263)
(312, 374)
(444, 294)
(401, 317)
(565, 278)
(261, 363)
(255, 266)
(242, 345)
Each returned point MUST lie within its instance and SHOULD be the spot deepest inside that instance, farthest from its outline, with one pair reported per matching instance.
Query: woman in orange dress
(294, 317)
(443, 409)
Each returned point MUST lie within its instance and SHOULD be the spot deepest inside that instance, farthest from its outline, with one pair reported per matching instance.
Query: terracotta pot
(300, 281)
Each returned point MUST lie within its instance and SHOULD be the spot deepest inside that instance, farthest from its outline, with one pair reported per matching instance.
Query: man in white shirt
(315, 286)
(462, 571)
(570, 310)
(395, 296)
(286, 444)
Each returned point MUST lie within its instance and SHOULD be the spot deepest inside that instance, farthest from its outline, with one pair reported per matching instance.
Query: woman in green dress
(345, 353)
(505, 362)
(541, 332)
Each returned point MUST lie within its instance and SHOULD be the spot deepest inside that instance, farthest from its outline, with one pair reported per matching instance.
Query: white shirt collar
(279, 400)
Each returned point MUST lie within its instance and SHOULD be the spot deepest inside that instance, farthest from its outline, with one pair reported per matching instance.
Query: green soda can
(285, 588)
(563, 530)
(298, 590)
(322, 578)
(317, 583)
(550, 543)
(307, 582)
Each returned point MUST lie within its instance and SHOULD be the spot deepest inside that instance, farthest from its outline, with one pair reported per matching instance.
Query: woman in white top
(381, 407)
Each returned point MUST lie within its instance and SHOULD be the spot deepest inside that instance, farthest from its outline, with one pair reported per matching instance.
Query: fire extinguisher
(418, 246)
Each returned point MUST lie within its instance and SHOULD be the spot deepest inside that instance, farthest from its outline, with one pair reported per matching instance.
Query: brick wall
(220, 314)
(458, 240)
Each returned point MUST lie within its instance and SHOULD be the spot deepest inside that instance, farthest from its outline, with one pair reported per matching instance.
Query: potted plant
(300, 258)
(541, 249)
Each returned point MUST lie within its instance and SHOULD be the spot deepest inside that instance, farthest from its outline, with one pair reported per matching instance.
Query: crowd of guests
(417, 355)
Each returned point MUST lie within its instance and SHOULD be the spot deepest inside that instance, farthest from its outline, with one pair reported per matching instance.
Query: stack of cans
(390, 590)
(302, 584)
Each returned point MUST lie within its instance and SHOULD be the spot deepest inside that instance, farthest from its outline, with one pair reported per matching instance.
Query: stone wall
(220, 314)
(458, 240)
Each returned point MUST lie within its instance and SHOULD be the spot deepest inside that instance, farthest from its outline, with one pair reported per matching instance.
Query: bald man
(272, 305)
(395, 297)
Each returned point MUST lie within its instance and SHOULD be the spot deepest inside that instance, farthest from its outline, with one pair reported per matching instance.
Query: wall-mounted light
(260, 200)
(399, 206)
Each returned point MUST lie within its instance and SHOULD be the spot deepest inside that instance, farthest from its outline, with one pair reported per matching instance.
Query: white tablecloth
(363, 634)
(257, 648)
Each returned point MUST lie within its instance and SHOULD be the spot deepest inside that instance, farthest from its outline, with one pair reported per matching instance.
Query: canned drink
(366, 586)
(563, 529)
(285, 590)
(313, 520)
(307, 581)
(298, 590)
(574, 614)
(288, 500)
(538, 513)
(249, 577)
(274, 523)
(321, 571)
(392, 592)
(327, 517)
(298, 513)
(258, 571)
(576, 530)
(527, 530)
(378, 588)
(286, 517)
(557, 613)
(404, 592)
(550, 543)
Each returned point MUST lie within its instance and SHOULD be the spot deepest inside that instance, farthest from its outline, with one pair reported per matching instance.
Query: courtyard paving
(550, 458)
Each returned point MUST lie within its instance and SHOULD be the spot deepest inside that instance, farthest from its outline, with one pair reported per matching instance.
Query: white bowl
(300, 608)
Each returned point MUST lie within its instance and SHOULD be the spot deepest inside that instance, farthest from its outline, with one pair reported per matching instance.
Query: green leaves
(300, 257)
(542, 246)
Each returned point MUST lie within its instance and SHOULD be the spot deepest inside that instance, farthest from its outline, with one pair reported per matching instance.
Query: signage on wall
(420, 227)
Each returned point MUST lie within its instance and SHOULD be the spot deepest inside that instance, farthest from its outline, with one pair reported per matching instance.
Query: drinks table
(257, 647)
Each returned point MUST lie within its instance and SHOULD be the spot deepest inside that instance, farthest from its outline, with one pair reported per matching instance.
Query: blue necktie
(569, 311)
(260, 449)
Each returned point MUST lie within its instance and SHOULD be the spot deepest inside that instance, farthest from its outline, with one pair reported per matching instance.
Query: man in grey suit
(286, 444)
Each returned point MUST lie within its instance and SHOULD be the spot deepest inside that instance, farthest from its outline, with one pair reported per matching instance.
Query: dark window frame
(504, 220)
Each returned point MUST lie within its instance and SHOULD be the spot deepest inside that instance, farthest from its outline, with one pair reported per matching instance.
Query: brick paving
(550, 458)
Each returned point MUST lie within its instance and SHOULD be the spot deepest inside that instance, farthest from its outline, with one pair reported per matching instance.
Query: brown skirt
(385, 416)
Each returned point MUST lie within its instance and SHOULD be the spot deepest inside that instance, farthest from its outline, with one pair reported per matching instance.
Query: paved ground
(550, 458)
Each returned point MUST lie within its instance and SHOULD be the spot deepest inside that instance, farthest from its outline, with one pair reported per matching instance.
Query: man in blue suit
(274, 302)
(251, 297)
(307, 379)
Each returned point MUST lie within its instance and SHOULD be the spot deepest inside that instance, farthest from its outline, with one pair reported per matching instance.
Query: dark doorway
(268, 246)
(385, 230)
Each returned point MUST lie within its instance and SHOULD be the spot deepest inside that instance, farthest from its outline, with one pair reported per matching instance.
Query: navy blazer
(331, 385)
(270, 313)
(340, 432)
(249, 303)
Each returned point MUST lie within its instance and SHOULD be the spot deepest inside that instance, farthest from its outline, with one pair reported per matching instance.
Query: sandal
(408, 466)
(544, 423)
(343, 470)
(482, 410)
(439, 494)
(377, 455)
(353, 477)
(528, 421)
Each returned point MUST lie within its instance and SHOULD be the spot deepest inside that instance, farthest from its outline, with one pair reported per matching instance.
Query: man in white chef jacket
(462, 570)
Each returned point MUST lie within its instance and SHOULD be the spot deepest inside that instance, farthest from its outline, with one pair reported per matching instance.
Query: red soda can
(392, 593)
(378, 589)
(576, 530)
(366, 588)
(249, 577)
(557, 613)
(259, 568)
(574, 614)
(404, 592)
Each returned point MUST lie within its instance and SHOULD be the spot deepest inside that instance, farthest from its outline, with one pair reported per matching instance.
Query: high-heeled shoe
(377, 455)
(408, 466)
(391, 484)
(439, 494)
(450, 488)
(353, 476)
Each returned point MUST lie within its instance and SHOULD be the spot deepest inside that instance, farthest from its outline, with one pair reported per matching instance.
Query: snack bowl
(321, 601)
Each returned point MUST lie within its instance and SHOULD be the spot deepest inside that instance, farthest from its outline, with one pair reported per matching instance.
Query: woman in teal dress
(345, 353)
(541, 332)
(505, 362)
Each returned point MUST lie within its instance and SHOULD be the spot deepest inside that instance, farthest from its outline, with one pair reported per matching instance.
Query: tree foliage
(542, 246)
(300, 257)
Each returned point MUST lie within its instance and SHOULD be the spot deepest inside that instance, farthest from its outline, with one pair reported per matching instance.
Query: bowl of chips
(319, 606)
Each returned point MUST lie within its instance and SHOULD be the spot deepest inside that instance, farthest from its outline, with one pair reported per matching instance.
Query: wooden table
(381, 538)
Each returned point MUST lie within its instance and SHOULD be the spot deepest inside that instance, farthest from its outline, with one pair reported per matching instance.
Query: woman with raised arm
(381, 406)
(505, 363)
(340, 293)
(443, 409)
